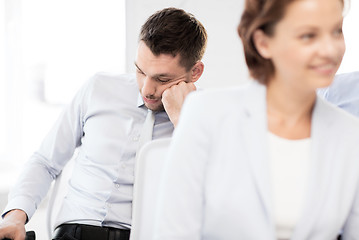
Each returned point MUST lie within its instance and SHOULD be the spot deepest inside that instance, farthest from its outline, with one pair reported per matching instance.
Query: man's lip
(150, 101)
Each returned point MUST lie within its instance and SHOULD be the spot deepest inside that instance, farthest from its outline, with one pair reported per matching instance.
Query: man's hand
(13, 225)
(173, 98)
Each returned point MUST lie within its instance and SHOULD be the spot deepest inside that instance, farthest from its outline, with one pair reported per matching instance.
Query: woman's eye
(338, 32)
(307, 36)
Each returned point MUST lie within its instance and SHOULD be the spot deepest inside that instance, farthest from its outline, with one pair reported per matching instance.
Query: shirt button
(123, 166)
(135, 138)
(117, 185)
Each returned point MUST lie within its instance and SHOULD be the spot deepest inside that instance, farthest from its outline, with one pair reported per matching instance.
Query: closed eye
(140, 72)
(163, 80)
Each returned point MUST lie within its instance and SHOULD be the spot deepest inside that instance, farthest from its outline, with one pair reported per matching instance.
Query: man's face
(157, 73)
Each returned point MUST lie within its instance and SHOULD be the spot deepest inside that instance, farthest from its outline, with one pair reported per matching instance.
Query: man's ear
(196, 71)
(261, 42)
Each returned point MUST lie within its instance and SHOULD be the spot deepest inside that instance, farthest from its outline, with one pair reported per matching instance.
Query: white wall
(351, 34)
(48, 49)
(224, 61)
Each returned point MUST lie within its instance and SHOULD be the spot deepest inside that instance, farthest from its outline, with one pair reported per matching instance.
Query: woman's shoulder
(234, 95)
(340, 119)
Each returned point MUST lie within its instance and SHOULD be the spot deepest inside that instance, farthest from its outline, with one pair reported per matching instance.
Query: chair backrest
(58, 193)
(149, 165)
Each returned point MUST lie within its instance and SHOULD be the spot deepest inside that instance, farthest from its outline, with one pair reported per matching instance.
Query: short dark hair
(263, 15)
(174, 31)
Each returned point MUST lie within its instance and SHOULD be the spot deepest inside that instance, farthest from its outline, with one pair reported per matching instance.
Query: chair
(58, 193)
(147, 177)
(148, 170)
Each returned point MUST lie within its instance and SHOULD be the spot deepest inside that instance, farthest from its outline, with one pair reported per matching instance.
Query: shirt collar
(140, 102)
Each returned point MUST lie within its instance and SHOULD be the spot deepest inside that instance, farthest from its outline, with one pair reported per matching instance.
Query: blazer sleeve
(181, 200)
(351, 227)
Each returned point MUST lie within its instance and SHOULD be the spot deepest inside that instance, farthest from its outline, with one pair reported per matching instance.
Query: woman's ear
(197, 71)
(261, 42)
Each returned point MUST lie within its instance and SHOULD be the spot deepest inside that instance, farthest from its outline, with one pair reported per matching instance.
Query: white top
(289, 163)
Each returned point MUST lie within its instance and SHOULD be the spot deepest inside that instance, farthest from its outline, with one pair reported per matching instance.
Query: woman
(269, 160)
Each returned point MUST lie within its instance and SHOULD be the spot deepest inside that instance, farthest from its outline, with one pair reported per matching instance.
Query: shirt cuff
(23, 203)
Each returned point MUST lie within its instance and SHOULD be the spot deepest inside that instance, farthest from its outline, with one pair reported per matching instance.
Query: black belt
(88, 232)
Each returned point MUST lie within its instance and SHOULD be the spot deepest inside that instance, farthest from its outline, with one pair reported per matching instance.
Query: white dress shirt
(344, 92)
(104, 120)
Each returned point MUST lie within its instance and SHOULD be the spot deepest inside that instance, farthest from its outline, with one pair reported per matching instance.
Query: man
(343, 92)
(104, 122)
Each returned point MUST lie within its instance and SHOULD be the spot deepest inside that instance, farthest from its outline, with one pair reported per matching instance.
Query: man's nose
(149, 87)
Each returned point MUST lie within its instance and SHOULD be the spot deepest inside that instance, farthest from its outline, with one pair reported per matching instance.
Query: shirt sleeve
(181, 200)
(48, 161)
(343, 92)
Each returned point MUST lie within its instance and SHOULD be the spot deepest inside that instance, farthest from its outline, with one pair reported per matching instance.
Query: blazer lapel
(255, 135)
(320, 170)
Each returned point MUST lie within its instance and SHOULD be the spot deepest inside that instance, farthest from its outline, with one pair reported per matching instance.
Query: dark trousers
(88, 232)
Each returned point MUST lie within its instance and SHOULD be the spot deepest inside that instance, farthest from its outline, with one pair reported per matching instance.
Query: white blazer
(216, 182)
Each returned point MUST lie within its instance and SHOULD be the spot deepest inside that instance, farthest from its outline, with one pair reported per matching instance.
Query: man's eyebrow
(165, 75)
(138, 67)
